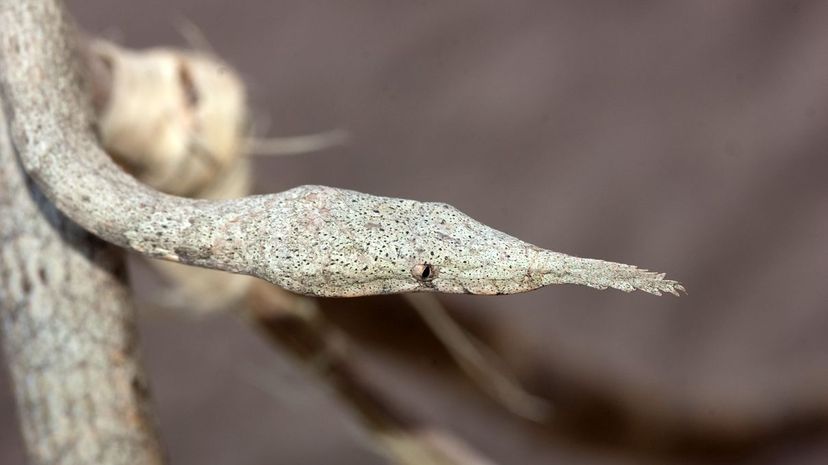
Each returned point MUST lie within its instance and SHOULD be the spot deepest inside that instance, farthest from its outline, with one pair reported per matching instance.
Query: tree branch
(481, 364)
(310, 239)
(66, 319)
(296, 324)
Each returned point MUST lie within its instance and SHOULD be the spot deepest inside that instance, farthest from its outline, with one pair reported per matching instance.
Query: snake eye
(424, 272)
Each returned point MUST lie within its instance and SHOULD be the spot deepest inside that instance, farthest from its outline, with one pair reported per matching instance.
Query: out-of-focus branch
(67, 324)
(296, 145)
(295, 323)
(478, 361)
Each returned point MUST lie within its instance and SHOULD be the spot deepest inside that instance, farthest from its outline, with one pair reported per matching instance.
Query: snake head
(345, 243)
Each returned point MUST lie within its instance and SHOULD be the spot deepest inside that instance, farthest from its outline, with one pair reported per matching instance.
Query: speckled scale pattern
(311, 239)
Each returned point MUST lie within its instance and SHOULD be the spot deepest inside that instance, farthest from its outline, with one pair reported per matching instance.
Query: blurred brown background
(685, 137)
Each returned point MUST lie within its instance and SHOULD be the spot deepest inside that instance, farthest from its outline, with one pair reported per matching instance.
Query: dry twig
(296, 324)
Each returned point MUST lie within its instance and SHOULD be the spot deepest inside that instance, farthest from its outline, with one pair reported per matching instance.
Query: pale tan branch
(67, 324)
(296, 145)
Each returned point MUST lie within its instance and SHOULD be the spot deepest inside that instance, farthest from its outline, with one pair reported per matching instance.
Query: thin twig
(478, 361)
(295, 323)
(296, 145)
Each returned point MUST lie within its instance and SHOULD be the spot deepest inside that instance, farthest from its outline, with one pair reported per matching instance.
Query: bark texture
(67, 324)
(68, 331)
